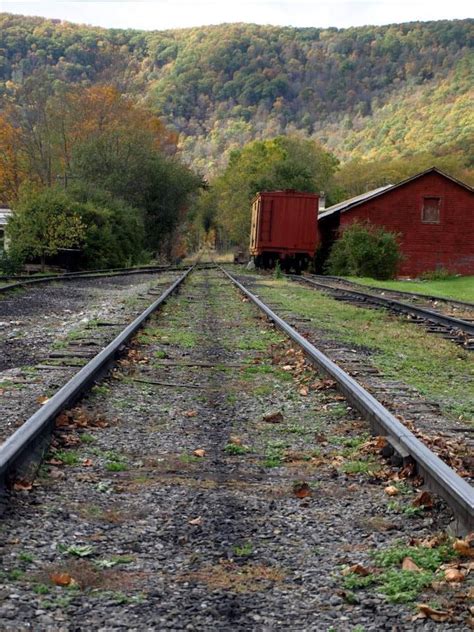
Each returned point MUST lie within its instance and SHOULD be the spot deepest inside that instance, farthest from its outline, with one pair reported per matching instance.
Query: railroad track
(19, 282)
(417, 296)
(212, 505)
(458, 330)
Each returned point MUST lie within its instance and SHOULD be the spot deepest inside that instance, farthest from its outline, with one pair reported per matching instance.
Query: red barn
(432, 212)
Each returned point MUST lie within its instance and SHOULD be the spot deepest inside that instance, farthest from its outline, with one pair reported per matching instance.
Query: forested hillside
(371, 91)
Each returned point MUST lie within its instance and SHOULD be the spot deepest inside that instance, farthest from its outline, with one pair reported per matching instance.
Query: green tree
(281, 163)
(44, 222)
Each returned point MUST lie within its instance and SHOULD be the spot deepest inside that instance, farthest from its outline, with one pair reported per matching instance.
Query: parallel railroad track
(17, 450)
(208, 481)
(458, 330)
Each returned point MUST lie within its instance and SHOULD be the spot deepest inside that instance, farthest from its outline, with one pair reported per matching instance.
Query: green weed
(236, 450)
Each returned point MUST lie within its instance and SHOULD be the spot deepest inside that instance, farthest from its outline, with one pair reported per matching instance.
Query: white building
(5, 214)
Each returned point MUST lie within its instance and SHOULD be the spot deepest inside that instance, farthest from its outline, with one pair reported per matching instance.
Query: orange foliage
(11, 173)
(68, 120)
(102, 109)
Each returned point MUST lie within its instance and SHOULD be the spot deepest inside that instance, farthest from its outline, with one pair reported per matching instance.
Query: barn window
(430, 210)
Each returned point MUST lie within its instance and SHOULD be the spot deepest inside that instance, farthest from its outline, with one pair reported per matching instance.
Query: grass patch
(236, 450)
(67, 457)
(116, 466)
(360, 467)
(458, 288)
(398, 585)
(244, 550)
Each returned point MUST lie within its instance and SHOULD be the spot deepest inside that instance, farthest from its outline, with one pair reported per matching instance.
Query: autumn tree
(12, 172)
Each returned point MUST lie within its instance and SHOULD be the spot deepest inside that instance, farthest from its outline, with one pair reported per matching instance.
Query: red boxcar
(284, 228)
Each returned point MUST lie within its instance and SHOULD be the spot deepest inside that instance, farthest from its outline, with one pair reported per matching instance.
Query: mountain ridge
(373, 91)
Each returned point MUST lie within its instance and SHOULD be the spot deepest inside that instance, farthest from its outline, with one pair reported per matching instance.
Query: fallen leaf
(301, 490)
(322, 385)
(287, 367)
(454, 575)
(54, 462)
(465, 547)
(62, 579)
(273, 418)
(190, 413)
(409, 565)
(424, 499)
(235, 440)
(22, 486)
(391, 490)
(427, 612)
(42, 399)
(196, 521)
(358, 569)
(303, 391)
(87, 462)
(199, 452)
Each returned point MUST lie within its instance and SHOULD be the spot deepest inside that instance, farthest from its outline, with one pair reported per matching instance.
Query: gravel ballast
(214, 481)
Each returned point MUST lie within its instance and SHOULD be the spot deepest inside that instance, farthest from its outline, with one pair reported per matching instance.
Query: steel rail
(420, 312)
(29, 277)
(426, 297)
(437, 475)
(14, 451)
(80, 275)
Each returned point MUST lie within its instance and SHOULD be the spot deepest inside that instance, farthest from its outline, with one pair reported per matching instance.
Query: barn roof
(342, 206)
(359, 199)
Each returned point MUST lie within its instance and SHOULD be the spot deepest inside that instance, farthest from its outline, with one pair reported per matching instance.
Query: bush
(109, 231)
(10, 263)
(365, 250)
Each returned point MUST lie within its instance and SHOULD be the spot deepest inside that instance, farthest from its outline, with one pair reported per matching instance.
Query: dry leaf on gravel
(322, 385)
(454, 575)
(391, 490)
(42, 399)
(200, 452)
(357, 569)
(427, 612)
(465, 547)
(22, 486)
(190, 413)
(424, 499)
(62, 579)
(235, 440)
(87, 462)
(409, 565)
(303, 391)
(196, 521)
(273, 418)
(301, 490)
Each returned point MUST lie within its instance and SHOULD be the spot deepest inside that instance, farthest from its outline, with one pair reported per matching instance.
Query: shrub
(10, 262)
(365, 250)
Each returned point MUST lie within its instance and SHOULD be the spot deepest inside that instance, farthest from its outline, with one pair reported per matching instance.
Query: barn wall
(449, 244)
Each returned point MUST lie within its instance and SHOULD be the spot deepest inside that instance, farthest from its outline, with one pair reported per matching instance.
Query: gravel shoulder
(48, 333)
(214, 482)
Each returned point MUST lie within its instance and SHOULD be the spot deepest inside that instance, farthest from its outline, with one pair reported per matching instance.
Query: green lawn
(459, 288)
